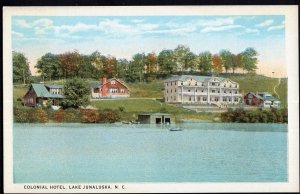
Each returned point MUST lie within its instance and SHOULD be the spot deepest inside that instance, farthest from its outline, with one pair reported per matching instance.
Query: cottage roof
(185, 77)
(95, 84)
(54, 86)
(41, 91)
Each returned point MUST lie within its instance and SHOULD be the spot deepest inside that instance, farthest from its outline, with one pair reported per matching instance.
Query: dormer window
(113, 82)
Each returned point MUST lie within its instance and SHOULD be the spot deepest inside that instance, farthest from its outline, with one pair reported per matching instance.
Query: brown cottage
(41, 94)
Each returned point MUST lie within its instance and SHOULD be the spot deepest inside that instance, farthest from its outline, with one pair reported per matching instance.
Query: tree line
(142, 66)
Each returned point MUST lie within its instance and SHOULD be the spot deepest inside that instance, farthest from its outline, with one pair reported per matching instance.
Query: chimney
(104, 86)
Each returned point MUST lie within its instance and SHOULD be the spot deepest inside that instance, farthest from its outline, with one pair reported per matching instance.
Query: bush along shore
(256, 116)
(42, 115)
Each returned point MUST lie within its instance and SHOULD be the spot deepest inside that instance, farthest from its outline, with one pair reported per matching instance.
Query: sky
(123, 36)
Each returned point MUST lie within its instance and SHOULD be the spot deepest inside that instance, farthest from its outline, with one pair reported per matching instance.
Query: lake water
(202, 152)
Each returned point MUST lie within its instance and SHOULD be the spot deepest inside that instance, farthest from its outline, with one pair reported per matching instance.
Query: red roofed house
(112, 88)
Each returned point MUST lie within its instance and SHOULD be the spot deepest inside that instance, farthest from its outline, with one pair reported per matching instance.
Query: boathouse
(156, 118)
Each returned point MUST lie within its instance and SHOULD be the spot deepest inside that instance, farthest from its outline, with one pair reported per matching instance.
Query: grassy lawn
(146, 90)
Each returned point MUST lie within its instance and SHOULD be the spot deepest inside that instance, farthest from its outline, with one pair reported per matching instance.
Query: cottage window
(96, 90)
(113, 82)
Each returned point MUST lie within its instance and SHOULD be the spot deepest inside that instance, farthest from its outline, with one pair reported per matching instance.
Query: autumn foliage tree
(59, 115)
(69, 63)
(217, 64)
(89, 116)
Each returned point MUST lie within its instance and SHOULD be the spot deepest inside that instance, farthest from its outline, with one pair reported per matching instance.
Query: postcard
(151, 99)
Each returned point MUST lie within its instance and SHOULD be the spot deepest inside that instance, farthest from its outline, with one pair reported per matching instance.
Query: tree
(180, 55)
(97, 61)
(69, 62)
(151, 63)
(166, 62)
(249, 60)
(76, 92)
(122, 68)
(110, 66)
(191, 61)
(217, 63)
(236, 62)
(21, 71)
(86, 69)
(226, 57)
(205, 63)
(48, 66)
(136, 67)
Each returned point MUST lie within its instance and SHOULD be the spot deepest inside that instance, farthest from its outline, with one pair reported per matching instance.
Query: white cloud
(137, 20)
(23, 24)
(220, 28)
(265, 23)
(147, 26)
(216, 22)
(17, 34)
(43, 22)
(275, 27)
(250, 30)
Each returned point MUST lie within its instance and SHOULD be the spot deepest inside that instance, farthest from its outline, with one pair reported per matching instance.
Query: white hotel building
(188, 89)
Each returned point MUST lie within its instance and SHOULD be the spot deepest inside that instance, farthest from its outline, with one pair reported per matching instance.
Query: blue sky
(123, 36)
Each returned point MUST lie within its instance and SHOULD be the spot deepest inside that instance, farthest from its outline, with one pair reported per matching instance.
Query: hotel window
(230, 85)
(171, 83)
(167, 91)
(218, 91)
(224, 99)
(195, 83)
(175, 90)
(190, 98)
(167, 83)
(236, 99)
(213, 91)
(204, 99)
(202, 90)
(229, 99)
(182, 83)
(189, 90)
(224, 85)
(236, 92)
(216, 99)
(167, 99)
(189, 83)
(196, 90)
(175, 83)
(171, 90)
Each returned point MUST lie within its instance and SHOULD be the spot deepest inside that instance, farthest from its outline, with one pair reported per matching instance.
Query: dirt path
(275, 87)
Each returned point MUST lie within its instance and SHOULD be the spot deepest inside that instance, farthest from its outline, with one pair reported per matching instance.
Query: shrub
(121, 108)
(38, 115)
(89, 116)
(59, 115)
(108, 116)
(72, 115)
(21, 115)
